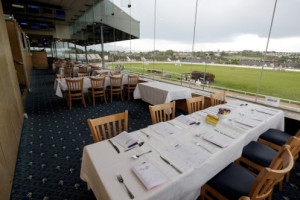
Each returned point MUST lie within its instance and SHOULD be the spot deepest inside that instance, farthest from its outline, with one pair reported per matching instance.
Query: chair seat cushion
(233, 182)
(96, 89)
(75, 91)
(130, 85)
(114, 87)
(259, 153)
(275, 136)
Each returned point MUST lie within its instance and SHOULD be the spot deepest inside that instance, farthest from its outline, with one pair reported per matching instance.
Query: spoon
(137, 156)
(140, 144)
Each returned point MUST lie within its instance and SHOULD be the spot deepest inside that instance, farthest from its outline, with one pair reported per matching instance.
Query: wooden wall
(39, 59)
(11, 113)
(20, 51)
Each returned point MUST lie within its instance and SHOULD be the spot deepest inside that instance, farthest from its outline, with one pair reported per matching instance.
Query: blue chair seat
(275, 136)
(114, 87)
(233, 182)
(130, 85)
(259, 153)
(96, 89)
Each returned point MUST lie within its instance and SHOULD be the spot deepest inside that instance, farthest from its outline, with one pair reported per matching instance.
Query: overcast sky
(220, 25)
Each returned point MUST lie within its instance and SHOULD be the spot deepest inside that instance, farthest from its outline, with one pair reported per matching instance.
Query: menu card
(164, 129)
(189, 154)
(247, 122)
(125, 139)
(217, 139)
(149, 175)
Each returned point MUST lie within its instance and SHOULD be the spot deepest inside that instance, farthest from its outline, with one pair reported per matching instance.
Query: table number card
(272, 101)
(212, 119)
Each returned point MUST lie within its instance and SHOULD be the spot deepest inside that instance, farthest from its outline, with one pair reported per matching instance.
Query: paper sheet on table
(125, 139)
(164, 129)
(217, 139)
(189, 154)
(210, 147)
(256, 116)
(226, 131)
(247, 122)
(266, 111)
(211, 110)
(185, 120)
(149, 175)
(178, 124)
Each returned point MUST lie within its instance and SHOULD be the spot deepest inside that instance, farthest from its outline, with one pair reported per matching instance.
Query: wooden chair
(115, 87)
(111, 123)
(258, 155)
(97, 89)
(235, 182)
(95, 68)
(83, 69)
(219, 98)
(112, 73)
(132, 82)
(60, 76)
(275, 138)
(75, 91)
(162, 112)
(68, 75)
(68, 70)
(195, 104)
(83, 74)
(102, 73)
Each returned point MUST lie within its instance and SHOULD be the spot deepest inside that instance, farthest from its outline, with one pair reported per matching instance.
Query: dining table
(60, 84)
(186, 151)
(155, 92)
(76, 69)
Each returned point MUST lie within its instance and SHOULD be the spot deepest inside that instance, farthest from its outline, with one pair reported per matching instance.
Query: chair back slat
(74, 85)
(102, 73)
(98, 82)
(116, 81)
(108, 124)
(219, 98)
(268, 177)
(133, 80)
(162, 112)
(115, 73)
(195, 104)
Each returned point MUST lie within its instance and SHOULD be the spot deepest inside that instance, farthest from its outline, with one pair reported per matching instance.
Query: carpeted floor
(53, 137)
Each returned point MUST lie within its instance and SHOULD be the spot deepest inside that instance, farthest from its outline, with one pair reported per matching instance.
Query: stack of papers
(125, 139)
(217, 139)
(266, 111)
(208, 146)
(189, 154)
(149, 175)
(164, 129)
(211, 110)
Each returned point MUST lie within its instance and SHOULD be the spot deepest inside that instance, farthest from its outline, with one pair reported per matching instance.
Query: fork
(121, 180)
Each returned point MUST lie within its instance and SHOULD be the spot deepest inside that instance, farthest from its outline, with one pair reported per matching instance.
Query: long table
(60, 84)
(101, 163)
(155, 92)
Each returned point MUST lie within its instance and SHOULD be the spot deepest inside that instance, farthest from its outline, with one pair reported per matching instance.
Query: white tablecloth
(158, 92)
(60, 84)
(101, 163)
(94, 73)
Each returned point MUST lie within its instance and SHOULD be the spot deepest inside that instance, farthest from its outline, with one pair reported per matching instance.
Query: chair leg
(83, 101)
(93, 99)
(70, 103)
(121, 93)
(89, 97)
(280, 186)
(105, 98)
(270, 196)
(111, 96)
(287, 177)
(128, 94)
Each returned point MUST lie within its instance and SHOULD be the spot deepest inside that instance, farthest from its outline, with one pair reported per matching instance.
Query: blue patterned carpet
(53, 137)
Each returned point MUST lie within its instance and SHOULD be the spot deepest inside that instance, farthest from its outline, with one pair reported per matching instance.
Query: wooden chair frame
(97, 83)
(263, 186)
(132, 80)
(115, 82)
(75, 91)
(83, 74)
(162, 112)
(195, 104)
(83, 69)
(102, 73)
(60, 76)
(99, 125)
(294, 144)
(219, 98)
(115, 73)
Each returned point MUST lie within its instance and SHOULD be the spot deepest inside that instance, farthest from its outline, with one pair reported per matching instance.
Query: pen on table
(116, 148)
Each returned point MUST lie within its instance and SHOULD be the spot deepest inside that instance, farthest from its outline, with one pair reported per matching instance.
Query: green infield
(281, 84)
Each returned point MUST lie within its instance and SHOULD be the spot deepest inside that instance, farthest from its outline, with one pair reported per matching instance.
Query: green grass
(274, 83)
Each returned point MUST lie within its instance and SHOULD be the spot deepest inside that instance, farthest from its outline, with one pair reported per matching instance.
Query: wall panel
(11, 112)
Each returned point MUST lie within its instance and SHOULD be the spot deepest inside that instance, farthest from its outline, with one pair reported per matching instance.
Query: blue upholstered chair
(235, 182)
(275, 138)
(258, 155)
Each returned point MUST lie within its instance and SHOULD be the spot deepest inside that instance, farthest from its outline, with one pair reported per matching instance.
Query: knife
(116, 148)
(166, 161)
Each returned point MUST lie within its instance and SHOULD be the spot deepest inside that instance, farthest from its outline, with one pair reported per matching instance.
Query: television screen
(60, 14)
(33, 9)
